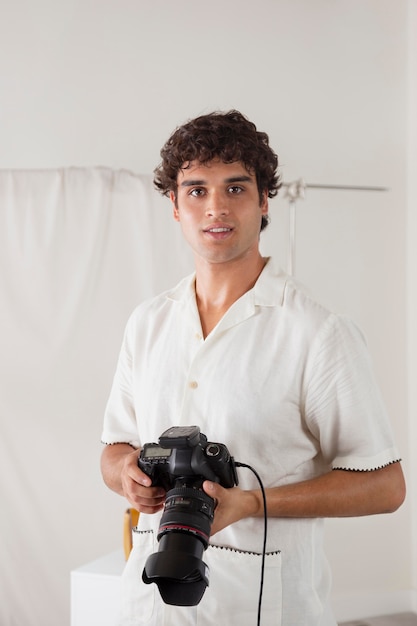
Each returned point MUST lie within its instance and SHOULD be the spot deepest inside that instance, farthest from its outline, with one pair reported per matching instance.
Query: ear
(264, 204)
(174, 206)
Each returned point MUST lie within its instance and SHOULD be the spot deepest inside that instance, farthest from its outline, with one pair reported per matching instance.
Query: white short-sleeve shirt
(285, 384)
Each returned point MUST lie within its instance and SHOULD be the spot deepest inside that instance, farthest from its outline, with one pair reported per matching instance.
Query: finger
(147, 504)
(145, 508)
(212, 490)
(144, 496)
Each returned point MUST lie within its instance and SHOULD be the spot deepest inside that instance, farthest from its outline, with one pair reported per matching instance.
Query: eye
(235, 189)
(196, 192)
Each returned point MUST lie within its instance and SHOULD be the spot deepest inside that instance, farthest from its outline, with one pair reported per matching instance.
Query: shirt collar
(268, 290)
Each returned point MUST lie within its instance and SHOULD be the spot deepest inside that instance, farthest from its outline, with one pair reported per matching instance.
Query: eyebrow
(232, 179)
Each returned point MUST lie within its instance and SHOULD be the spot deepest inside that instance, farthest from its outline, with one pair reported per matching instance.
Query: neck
(218, 286)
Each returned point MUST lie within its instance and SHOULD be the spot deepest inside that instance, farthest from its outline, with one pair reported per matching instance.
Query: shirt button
(198, 336)
(193, 384)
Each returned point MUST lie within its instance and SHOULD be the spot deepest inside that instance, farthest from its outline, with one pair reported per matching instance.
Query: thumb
(211, 489)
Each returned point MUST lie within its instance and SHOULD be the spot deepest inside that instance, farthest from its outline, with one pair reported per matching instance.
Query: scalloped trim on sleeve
(366, 469)
(368, 463)
(114, 443)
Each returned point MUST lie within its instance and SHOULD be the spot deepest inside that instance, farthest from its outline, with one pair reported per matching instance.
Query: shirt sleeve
(120, 424)
(343, 405)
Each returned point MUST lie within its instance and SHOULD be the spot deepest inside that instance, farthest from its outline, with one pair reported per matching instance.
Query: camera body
(180, 463)
(183, 453)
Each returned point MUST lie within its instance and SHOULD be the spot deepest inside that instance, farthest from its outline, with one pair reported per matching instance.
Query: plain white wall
(412, 274)
(85, 83)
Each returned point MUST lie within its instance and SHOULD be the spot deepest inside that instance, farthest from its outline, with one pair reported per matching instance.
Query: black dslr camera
(180, 463)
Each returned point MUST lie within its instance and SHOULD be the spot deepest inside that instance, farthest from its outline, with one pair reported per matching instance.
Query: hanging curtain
(79, 249)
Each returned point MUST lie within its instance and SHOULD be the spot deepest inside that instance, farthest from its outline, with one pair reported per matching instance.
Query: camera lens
(177, 568)
(187, 510)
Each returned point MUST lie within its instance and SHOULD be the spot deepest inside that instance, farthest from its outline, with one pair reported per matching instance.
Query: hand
(137, 487)
(232, 504)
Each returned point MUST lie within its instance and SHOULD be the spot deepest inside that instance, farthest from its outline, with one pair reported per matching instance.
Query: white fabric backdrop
(79, 248)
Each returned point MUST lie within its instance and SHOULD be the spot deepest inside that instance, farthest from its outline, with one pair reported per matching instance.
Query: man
(286, 385)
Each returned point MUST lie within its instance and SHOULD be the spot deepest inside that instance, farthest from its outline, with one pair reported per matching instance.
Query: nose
(217, 205)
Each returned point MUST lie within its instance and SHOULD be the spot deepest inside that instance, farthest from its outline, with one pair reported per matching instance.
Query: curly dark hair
(229, 137)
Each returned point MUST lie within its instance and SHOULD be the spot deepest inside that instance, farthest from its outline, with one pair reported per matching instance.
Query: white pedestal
(95, 591)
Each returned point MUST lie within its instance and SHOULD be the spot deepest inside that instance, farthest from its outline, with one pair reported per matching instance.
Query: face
(219, 210)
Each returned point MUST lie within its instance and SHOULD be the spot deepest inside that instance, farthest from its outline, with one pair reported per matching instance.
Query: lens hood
(181, 578)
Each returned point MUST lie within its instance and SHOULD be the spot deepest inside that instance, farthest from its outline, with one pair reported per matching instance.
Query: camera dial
(212, 449)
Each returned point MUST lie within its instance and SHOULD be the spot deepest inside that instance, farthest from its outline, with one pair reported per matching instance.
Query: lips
(218, 228)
